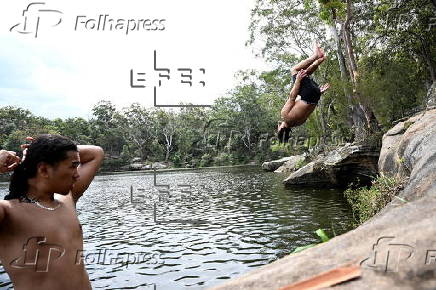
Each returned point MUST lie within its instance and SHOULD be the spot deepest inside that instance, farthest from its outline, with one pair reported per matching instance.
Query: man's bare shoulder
(4, 204)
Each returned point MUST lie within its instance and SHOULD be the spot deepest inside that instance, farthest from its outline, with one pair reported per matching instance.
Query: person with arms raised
(40, 234)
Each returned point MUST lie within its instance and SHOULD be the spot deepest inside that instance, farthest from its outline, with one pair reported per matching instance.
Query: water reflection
(249, 220)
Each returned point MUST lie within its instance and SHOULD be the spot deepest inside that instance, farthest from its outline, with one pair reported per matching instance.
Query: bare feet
(318, 51)
(319, 61)
(321, 52)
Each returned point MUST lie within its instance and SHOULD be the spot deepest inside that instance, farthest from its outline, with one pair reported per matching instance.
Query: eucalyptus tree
(165, 130)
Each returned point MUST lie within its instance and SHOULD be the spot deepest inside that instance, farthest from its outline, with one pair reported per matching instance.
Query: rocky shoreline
(395, 249)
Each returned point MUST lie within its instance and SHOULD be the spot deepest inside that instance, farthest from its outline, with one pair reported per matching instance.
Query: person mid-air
(304, 95)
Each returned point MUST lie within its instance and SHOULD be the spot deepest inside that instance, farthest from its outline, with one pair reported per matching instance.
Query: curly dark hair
(47, 148)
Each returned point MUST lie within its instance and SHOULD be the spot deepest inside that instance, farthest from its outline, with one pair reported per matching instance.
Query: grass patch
(300, 163)
(366, 202)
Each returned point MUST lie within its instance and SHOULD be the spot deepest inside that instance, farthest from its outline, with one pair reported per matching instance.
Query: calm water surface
(195, 229)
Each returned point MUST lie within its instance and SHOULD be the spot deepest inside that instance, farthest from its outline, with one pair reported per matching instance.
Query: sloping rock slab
(348, 164)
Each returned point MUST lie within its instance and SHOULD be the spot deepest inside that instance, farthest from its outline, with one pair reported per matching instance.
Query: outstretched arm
(91, 158)
(296, 88)
(290, 102)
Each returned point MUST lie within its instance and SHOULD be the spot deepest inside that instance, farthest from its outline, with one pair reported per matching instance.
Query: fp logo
(35, 16)
(37, 255)
(387, 255)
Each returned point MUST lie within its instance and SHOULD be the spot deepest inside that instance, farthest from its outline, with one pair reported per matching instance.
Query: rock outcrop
(293, 164)
(409, 151)
(159, 165)
(431, 97)
(275, 164)
(338, 168)
(396, 248)
(136, 166)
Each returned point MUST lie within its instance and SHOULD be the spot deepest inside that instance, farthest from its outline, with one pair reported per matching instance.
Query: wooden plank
(327, 279)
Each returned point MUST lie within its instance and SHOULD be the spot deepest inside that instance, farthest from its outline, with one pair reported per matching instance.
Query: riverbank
(176, 169)
(5, 177)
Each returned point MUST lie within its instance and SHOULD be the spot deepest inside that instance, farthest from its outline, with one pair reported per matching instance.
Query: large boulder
(275, 164)
(396, 248)
(292, 164)
(159, 165)
(136, 160)
(431, 97)
(338, 168)
(136, 166)
(409, 151)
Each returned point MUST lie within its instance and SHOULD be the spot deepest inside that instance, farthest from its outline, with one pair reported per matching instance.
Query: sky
(59, 58)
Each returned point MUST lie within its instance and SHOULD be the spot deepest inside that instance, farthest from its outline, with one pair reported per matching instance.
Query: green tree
(138, 128)
(78, 129)
(105, 128)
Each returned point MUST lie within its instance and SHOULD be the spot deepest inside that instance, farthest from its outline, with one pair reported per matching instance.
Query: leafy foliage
(366, 202)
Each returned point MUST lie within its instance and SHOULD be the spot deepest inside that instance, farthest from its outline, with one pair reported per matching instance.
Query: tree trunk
(323, 121)
(167, 155)
(349, 45)
(428, 59)
(339, 54)
(357, 116)
(371, 121)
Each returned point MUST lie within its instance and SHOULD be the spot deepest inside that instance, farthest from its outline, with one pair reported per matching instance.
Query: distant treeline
(190, 137)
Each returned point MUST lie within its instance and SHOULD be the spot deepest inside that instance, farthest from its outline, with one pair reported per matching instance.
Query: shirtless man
(41, 240)
(304, 95)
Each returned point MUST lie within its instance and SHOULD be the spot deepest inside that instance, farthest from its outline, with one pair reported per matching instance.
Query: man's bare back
(41, 245)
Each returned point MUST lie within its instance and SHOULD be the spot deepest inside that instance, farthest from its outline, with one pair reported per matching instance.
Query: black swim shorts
(309, 90)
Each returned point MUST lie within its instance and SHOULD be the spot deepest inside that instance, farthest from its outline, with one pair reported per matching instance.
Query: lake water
(195, 229)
